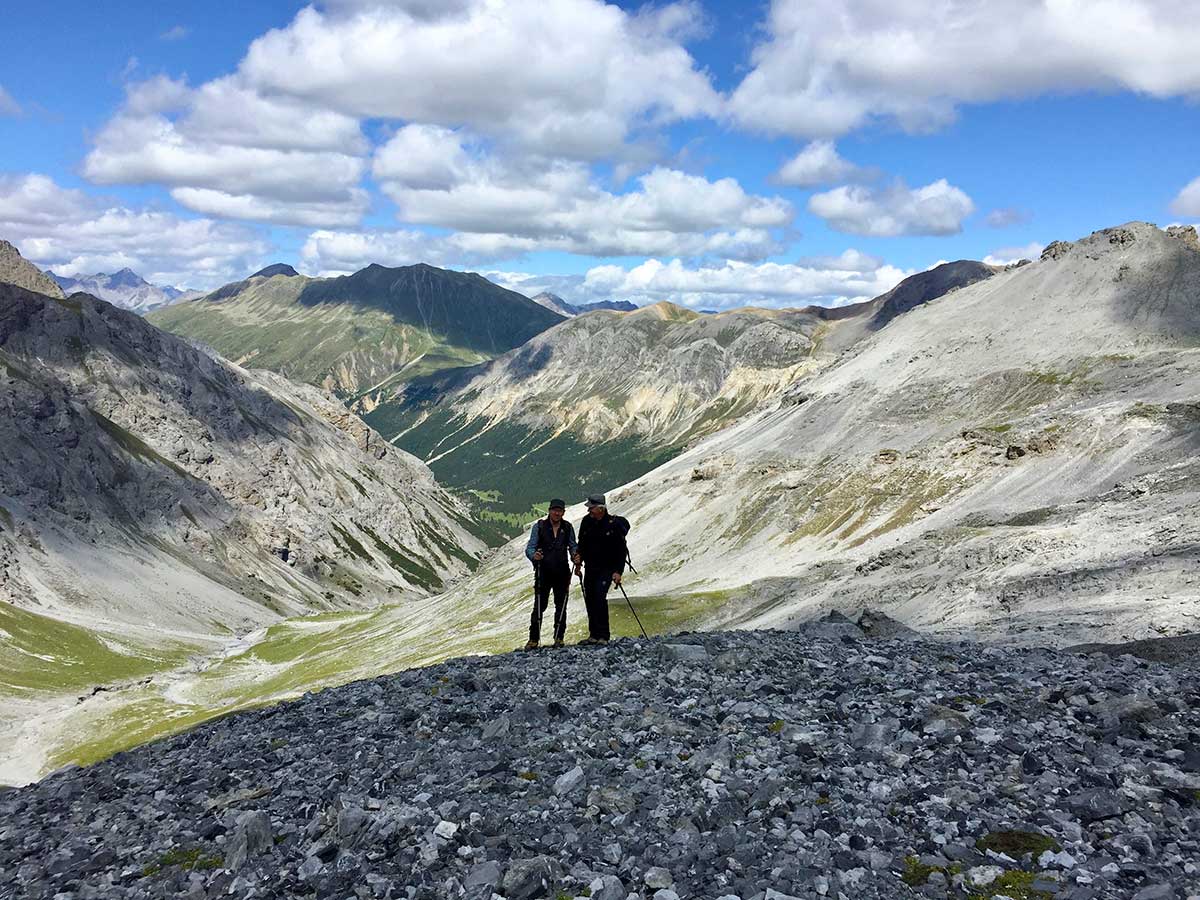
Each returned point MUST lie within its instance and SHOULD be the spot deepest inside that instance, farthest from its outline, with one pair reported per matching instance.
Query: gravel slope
(748, 764)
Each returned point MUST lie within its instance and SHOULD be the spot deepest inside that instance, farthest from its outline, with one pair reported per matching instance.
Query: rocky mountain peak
(276, 269)
(15, 269)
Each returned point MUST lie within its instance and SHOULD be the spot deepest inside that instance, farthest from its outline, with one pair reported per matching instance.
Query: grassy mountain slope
(605, 397)
(355, 332)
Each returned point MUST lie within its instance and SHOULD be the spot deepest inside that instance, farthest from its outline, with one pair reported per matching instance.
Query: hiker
(602, 550)
(551, 548)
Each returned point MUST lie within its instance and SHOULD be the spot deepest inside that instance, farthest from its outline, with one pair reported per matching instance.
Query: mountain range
(355, 334)
(999, 453)
(603, 398)
(124, 288)
(563, 308)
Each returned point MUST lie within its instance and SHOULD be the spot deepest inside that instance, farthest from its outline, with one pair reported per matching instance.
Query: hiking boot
(586, 642)
(559, 643)
(599, 642)
(531, 645)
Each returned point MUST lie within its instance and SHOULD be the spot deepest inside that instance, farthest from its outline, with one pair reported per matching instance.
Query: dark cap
(596, 500)
(557, 504)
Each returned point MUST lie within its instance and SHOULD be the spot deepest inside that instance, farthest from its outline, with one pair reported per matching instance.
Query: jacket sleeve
(572, 544)
(531, 547)
(621, 547)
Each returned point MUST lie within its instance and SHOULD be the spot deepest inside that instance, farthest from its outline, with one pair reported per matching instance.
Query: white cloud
(526, 203)
(175, 33)
(849, 260)
(733, 284)
(73, 234)
(569, 78)
(1006, 216)
(1187, 202)
(818, 163)
(1006, 256)
(829, 66)
(8, 105)
(938, 208)
(228, 151)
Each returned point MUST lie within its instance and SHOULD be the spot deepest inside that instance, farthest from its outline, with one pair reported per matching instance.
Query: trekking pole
(537, 595)
(632, 610)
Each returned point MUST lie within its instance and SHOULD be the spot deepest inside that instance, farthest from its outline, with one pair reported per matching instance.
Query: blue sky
(647, 152)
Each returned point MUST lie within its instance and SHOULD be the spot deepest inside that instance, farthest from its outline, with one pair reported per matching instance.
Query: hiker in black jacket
(551, 548)
(602, 550)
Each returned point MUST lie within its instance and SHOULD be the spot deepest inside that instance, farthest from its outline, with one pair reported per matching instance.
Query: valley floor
(820, 762)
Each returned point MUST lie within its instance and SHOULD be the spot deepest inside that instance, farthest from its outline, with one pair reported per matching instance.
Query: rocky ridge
(749, 765)
(15, 269)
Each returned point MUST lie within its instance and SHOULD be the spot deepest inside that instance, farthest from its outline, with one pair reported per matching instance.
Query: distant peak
(276, 269)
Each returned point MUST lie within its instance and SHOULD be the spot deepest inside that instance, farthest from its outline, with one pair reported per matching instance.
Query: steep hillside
(157, 502)
(605, 397)
(1018, 461)
(15, 269)
(125, 288)
(359, 332)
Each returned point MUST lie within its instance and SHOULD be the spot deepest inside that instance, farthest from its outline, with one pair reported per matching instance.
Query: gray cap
(596, 500)
(557, 504)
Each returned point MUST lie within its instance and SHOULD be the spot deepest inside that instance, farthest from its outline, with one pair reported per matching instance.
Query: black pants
(595, 598)
(559, 582)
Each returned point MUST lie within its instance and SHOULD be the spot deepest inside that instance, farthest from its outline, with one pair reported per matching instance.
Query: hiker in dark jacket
(602, 551)
(551, 548)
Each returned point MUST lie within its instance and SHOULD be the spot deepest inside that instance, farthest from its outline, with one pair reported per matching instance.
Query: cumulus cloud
(818, 163)
(570, 78)
(1006, 216)
(528, 203)
(734, 284)
(8, 105)
(66, 230)
(225, 150)
(1006, 256)
(935, 209)
(1187, 201)
(828, 67)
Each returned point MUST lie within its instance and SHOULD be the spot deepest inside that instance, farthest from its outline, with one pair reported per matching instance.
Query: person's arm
(580, 545)
(572, 544)
(619, 549)
(531, 547)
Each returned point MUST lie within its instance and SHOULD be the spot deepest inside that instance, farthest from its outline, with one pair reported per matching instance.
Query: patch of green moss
(527, 776)
(776, 726)
(1014, 884)
(917, 873)
(188, 860)
(1015, 844)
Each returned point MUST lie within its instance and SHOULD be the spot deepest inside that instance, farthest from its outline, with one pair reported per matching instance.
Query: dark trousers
(560, 583)
(595, 598)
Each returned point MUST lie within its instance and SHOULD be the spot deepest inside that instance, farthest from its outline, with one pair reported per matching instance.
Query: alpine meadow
(612, 449)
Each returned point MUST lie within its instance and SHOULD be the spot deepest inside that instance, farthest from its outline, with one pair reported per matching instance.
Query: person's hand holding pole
(617, 578)
(537, 555)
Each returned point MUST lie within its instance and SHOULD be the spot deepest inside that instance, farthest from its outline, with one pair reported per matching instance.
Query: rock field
(834, 761)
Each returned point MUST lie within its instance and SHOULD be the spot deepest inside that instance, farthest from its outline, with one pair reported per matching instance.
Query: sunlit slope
(352, 333)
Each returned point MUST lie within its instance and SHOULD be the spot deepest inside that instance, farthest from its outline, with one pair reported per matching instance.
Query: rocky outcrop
(15, 269)
(781, 765)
